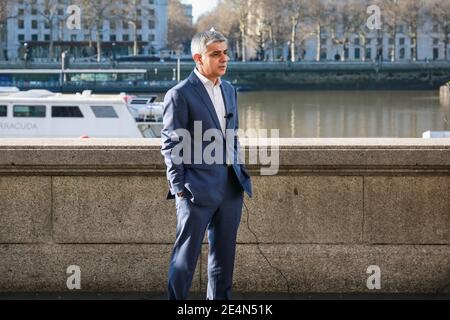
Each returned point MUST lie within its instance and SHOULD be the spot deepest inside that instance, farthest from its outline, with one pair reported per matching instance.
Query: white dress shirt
(215, 93)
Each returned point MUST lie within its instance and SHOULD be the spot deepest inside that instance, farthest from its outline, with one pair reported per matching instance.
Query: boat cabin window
(139, 101)
(3, 111)
(29, 111)
(144, 100)
(66, 112)
(104, 112)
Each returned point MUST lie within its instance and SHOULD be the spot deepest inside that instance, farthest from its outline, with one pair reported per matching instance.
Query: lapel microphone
(229, 116)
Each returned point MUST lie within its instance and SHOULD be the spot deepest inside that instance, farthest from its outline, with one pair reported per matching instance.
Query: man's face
(213, 63)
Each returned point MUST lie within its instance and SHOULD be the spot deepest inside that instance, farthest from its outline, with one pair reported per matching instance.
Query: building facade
(375, 45)
(337, 45)
(44, 26)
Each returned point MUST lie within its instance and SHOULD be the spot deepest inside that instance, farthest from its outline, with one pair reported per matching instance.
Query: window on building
(21, 12)
(20, 24)
(46, 25)
(400, 29)
(124, 24)
(34, 24)
(151, 37)
(435, 53)
(66, 112)
(151, 24)
(323, 41)
(436, 28)
(151, 1)
(402, 53)
(34, 11)
(139, 37)
(73, 37)
(323, 54)
(112, 25)
(151, 12)
(112, 37)
(21, 37)
(104, 112)
(3, 110)
(368, 41)
(357, 53)
(435, 41)
(46, 37)
(402, 41)
(60, 12)
(138, 25)
(34, 37)
(357, 41)
(125, 37)
(139, 12)
(391, 41)
(26, 111)
(368, 53)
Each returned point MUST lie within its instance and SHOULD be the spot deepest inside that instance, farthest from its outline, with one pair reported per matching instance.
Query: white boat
(42, 113)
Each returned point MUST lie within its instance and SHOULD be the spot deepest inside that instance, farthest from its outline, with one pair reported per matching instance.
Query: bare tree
(132, 17)
(242, 9)
(275, 26)
(221, 18)
(342, 23)
(180, 29)
(297, 12)
(410, 13)
(261, 37)
(320, 16)
(95, 14)
(439, 11)
(391, 21)
(5, 15)
(258, 27)
(49, 13)
(354, 19)
(224, 19)
(132, 13)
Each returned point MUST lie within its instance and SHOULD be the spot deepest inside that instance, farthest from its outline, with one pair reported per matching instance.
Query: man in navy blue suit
(207, 183)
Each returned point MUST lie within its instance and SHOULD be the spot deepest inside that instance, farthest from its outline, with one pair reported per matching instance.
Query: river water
(344, 113)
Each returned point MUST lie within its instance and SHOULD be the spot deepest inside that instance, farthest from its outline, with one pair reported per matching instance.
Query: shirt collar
(205, 80)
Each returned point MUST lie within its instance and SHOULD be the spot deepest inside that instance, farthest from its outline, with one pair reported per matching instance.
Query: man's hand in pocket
(181, 194)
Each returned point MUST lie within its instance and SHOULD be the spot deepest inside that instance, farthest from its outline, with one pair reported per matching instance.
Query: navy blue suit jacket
(185, 103)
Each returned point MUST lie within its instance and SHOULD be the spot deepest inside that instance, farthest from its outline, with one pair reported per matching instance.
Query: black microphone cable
(262, 253)
(228, 116)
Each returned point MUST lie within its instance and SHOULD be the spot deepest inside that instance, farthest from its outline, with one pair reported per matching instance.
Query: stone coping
(310, 143)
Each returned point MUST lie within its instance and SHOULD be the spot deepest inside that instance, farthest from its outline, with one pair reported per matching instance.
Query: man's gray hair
(202, 40)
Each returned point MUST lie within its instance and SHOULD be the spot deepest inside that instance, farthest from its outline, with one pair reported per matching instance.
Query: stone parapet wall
(336, 207)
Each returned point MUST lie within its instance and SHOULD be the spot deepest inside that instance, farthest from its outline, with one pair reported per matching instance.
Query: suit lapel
(201, 91)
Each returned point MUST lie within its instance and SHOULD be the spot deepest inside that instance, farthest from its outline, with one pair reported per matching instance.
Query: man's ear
(198, 58)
